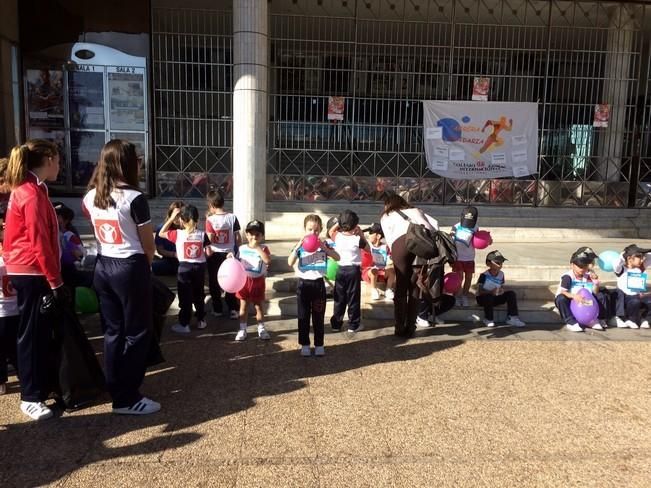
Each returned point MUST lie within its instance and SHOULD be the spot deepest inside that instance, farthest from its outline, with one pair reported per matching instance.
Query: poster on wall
(84, 154)
(601, 115)
(336, 106)
(466, 140)
(126, 88)
(86, 98)
(44, 98)
(480, 89)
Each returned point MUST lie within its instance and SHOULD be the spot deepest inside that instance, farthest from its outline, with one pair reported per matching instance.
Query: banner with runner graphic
(469, 140)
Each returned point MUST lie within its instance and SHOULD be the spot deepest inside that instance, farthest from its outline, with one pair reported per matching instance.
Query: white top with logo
(252, 262)
(189, 245)
(463, 242)
(116, 228)
(632, 281)
(380, 255)
(311, 265)
(348, 249)
(8, 299)
(223, 228)
(569, 282)
(488, 282)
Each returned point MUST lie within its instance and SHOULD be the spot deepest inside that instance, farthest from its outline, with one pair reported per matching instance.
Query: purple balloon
(585, 314)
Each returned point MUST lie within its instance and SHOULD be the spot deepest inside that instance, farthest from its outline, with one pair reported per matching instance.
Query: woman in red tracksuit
(31, 254)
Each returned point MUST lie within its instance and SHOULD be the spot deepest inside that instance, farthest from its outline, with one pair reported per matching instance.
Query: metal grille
(193, 92)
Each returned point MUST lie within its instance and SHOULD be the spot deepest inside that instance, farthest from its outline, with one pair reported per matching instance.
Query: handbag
(419, 240)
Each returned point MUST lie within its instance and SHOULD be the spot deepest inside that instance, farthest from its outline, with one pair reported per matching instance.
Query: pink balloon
(482, 239)
(585, 314)
(311, 242)
(231, 275)
(451, 283)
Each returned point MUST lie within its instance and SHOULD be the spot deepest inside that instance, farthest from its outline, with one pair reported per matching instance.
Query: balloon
(331, 270)
(311, 243)
(231, 275)
(451, 283)
(585, 314)
(607, 260)
(481, 239)
(86, 300)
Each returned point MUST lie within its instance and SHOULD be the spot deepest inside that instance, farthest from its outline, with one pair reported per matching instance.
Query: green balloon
(331, 269)
(86, 300)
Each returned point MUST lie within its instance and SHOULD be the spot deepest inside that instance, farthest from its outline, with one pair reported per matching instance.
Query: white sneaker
(202, 325)
(305, 351)
(181, 329)
(36, 410)
(631, 325)
(234, 314)
(595, 325)
(422, 323)
(620, 323)
(359, 328)
(319, 351)
(488, 323)
(574, 327)
(144, 406)
(375, 294)
(388, 295)
(262, 333)
(241, 335)
(645, 325)
(515, 322)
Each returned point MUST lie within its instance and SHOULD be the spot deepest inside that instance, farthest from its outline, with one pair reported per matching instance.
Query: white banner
(475, 140)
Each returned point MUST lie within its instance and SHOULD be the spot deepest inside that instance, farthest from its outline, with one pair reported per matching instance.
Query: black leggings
(406, 300)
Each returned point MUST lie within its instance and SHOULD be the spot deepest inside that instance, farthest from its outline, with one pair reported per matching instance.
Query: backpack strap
(404, 216)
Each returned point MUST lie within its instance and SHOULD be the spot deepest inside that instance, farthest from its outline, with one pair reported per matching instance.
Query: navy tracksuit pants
(35, 335)
(490, 301)
(124, 290)
(190, 283)
(437, 307)
(311, 298)
(563, 305)
(8, 338)
(214, 261)
(348, 294)
(633, 307)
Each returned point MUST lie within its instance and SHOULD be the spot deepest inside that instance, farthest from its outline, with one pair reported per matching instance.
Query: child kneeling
(490, 292)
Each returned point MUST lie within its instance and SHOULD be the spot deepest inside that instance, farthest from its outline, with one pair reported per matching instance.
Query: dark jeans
(124, 290)
(190, 282)
(406, 301)
(348, 288)
(633, 307)
(441, 305)
(563, 305)
(8, 346)
(35, 336)
(214, 262)
(489, 302)
(311, 301)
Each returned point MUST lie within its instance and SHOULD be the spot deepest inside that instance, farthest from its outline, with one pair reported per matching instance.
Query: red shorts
(253, 290)
(381, 275)
(463, 267)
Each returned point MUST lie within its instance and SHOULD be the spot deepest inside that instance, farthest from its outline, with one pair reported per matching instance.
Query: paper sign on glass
(434, 133)
(499, 158)
(457, 154)
(520, 171)
(518, 140)
(519, 155)
(441, 151)
(440, 165)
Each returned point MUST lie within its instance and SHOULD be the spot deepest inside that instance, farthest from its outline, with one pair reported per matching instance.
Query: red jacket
(31, 240)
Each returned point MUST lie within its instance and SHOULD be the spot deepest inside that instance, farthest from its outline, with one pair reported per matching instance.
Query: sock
(260, 325)
(242, 325)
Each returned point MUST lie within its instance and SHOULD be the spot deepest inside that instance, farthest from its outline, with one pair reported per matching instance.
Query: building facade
(239, 94)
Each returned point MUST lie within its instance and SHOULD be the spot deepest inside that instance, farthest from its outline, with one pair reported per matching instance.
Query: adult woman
(122, 225)
(31, 254)
(406, 299)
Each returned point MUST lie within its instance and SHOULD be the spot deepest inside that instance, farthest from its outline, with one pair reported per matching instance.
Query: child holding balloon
(255, 257)
(192, 245)
(312, 255)
(592, 302)
(491, 292)
(376, 263)
(633, 303)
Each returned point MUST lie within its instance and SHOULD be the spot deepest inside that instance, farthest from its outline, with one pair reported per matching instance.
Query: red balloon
(451, 283)
(311, 242)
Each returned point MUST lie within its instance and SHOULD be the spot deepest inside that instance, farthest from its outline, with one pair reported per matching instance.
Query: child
(491, 292)
(168, 263)
(330, 286)
(256, 258)
(376, 263)
(464, 266)
(72, 250)
(310, 292)
(580, 276)
(8, 318)
(633, 303)
(223, 230)
(349, 241)
(190, 249)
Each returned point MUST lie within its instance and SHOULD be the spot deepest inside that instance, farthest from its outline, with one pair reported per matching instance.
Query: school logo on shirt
(108, 231)
(191, 250)
(7, 288)
(221, 236)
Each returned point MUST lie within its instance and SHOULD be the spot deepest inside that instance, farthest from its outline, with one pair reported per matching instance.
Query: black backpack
(428, 244)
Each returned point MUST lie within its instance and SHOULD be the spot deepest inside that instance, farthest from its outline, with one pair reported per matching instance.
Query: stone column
(250, 106)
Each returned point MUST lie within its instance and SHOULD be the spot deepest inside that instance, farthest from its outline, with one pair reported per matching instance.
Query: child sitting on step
(376, 264)
(633, 302)
(490, 292)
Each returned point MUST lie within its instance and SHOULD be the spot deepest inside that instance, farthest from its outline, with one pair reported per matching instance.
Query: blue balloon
(607, 260)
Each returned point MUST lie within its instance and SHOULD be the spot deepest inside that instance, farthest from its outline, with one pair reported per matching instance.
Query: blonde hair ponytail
(27, 157)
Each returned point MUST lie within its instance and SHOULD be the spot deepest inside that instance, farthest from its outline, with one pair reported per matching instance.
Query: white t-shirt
(394, 226)
(348, 249)
(8, 299)
(223, 228)
(252, 262)
(116, 228)
(189, 245)
(488, 282)
(631, 281)
(380, 255)
(570, 282)
(465, 252)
